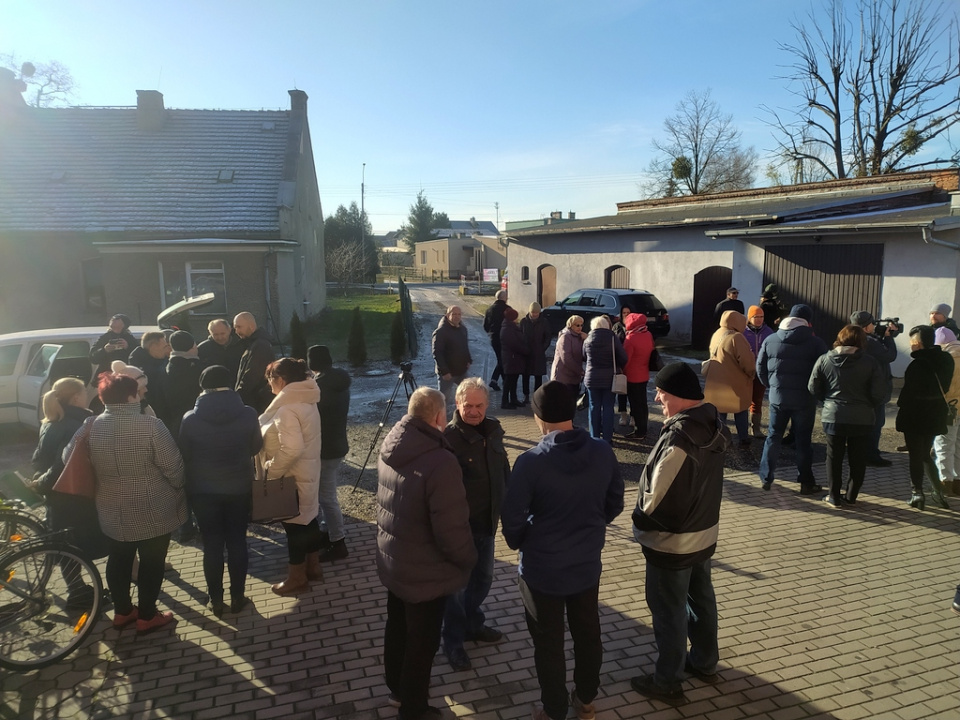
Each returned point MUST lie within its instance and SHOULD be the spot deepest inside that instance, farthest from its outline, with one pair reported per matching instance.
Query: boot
(336, 551)
(296, 581)
(917, 500)
(937, 494)
(314, 571)
(624, 419)
(756, 422)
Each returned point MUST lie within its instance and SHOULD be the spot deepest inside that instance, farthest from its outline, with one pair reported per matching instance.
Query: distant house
(887, 244)
(464, 249)
(555, 218)
(106, 210)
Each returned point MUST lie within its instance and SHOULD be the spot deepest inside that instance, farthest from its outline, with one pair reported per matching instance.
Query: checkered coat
(139, 474)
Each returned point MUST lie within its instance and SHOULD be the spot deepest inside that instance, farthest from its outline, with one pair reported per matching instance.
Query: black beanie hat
(318, 358)
(216, 376)
(553, 402)
(802, 311)
(679, 380)
(182, 341)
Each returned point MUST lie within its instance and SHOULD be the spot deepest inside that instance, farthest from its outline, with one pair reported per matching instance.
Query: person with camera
(115, 344)
(882, 347)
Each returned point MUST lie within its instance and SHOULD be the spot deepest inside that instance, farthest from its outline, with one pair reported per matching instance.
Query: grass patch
(332, 326)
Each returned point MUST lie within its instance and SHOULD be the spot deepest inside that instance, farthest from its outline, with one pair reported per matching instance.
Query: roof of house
(467, 227)
(204, 172)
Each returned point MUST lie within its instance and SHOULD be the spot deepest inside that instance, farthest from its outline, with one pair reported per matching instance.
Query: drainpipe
(929, 238)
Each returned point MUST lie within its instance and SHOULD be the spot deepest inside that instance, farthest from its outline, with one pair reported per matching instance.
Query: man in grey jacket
(425, 549)
(883, 349)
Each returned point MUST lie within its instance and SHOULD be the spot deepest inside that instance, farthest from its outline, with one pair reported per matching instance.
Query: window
(41, 361)
(423, 257)
(8, 359)
(524, 273)
(93, 292)
(179, 281)
(608, 301)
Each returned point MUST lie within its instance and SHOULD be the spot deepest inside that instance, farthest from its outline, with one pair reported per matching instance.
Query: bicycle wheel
(17, 525)
(49, 603)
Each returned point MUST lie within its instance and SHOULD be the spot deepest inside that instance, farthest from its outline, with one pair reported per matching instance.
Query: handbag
(656, 362)
(708, 363)
(619, 384)
(78, 476)
(951, 406)
(274, 499)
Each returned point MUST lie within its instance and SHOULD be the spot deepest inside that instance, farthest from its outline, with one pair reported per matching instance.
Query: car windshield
(646, 304)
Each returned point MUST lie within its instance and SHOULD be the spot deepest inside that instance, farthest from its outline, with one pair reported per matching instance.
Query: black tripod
(406, 381)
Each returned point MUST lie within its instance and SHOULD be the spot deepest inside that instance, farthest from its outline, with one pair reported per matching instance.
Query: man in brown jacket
(425, 549)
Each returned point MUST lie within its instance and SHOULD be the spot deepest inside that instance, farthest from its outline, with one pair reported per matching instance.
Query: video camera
(880, 327)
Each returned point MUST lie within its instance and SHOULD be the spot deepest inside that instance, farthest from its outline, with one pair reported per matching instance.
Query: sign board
(491, 275)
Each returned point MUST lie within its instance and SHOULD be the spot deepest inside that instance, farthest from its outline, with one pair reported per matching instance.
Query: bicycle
(17, 523)
(45, 615)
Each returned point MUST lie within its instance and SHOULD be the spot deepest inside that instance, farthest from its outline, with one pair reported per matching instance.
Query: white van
(31, 361)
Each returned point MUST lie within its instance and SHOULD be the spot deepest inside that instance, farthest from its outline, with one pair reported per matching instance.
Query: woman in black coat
(115, 344)
(851, 385)
(513, 353)
(536, 333)
(923, 409)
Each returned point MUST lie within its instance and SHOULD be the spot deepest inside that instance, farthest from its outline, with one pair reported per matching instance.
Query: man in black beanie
(561, 496)
(677, 521)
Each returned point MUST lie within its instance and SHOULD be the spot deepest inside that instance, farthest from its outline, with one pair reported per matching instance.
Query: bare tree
(701, 153)
(345, 264)
(48, 84)
(871, 96)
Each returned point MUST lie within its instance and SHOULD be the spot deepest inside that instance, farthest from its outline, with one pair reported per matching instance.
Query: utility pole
(363, 229)
(497, 206)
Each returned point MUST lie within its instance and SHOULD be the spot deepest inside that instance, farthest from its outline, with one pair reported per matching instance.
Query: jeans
(411, 637)
(463, 615)
(332, 517)
(302, 539)
(856, 447)
(742, 422)
(683, 604)
(545, 622)
(947, 449)
(802, 419)
(637, 392)
(223, 524)
(918, 448)
(449, 389)
(153, 553)
(601, 413)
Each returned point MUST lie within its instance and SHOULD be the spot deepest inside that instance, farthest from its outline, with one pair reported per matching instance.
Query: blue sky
(535, 105)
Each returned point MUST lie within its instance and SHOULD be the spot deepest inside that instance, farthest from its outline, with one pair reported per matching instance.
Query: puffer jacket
(485, 467)
(183, 389)
(785, 362)
(729, 384)
(334, 405)
(568, 358)
(639, 346)
(756, 337)
(291, 443)
(850, 384)
(425, 549)
(923, 409)
(599, 350)
(218, 440)
(677, 517)
(513, 348)
(538, 337)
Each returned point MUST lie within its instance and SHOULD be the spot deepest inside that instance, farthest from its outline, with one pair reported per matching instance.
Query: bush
(298, 338)
(357, 341)
(398, 339)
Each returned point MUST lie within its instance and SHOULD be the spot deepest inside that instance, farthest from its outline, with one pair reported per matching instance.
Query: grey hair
(500, 295)
(572, 319)
(600, 322)
(425, 403)
(471, 383)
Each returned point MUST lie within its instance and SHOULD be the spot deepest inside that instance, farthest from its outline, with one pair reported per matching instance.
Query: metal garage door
(834, 280)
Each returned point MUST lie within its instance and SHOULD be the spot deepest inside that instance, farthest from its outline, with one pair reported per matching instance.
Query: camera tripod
(406, 381)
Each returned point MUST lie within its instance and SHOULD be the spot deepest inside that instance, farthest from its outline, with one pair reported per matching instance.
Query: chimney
(556, 215)
(298, 101)
(11, 89)
(150, 112)
(572, 215)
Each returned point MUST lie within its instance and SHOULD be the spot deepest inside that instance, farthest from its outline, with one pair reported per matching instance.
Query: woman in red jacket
(639, 346)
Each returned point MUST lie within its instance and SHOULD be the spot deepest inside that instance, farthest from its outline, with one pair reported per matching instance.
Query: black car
(589, 303)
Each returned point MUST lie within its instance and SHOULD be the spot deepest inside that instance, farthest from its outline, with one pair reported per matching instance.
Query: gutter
(929, 238)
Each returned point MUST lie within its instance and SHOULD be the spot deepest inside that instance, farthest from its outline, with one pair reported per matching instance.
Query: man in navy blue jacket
(784, 365)
(561, 496)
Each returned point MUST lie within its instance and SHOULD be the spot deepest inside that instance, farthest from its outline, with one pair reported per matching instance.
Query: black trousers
(498, 370)
(637, 392)
(302, 539)
(153, 554)
(856, 447)
(411, 639)
(525, 384)
(919, 448)
(545, 623)
(509, 394)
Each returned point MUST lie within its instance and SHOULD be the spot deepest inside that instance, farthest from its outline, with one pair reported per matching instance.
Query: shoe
(217, 607)
(237, 604)
(956, 607)
(524, 402)
(879, 462)
(916, 501)
(314, 571)
(832, 501)
(458, 659)
(789, 439)
(901, 448)
(393, 700)
(494, 386)
(847, 500)
(486, 634)
(810, 489)
(635, 434)
(155, 623)
(296, 581)
(624, 419)
(709, 678)
(766, 484)
(335, 551)
(324, 539)
(938, 497)
(585, 711)
(538, 713)
(646, 685)
(120, 621)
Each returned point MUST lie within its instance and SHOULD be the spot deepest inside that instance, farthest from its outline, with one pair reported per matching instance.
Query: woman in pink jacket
(639, 345)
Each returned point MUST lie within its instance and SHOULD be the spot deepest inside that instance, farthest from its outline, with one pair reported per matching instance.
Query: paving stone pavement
(824, 613)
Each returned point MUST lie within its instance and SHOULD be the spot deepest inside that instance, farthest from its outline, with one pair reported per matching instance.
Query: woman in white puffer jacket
(291, 448)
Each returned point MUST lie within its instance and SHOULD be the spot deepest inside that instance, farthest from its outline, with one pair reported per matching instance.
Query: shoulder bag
(619, 384)
(78, 476)
(951, 405)
(656, 362)
(273, 500)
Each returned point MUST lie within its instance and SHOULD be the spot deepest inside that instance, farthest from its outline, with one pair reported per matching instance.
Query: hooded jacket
(850, 384)
(639, 346)
(334, 384)
(677, 517)
(451, 349)
(729, 384)
(562, 495)
(538, 337)
(485, 467)
(513, 348)
(425, 549)
(923, 409)
(785, 362)
(493, 320)
(218, 440)
(291, 443)
(568, 358)
(599, 350)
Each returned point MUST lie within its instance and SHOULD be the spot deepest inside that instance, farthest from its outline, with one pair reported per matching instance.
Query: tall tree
(47, 84)
(344, 229)
(872, 91)
(701, 152)
(422, 222)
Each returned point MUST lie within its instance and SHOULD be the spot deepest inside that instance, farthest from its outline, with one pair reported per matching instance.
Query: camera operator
(880, 346)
